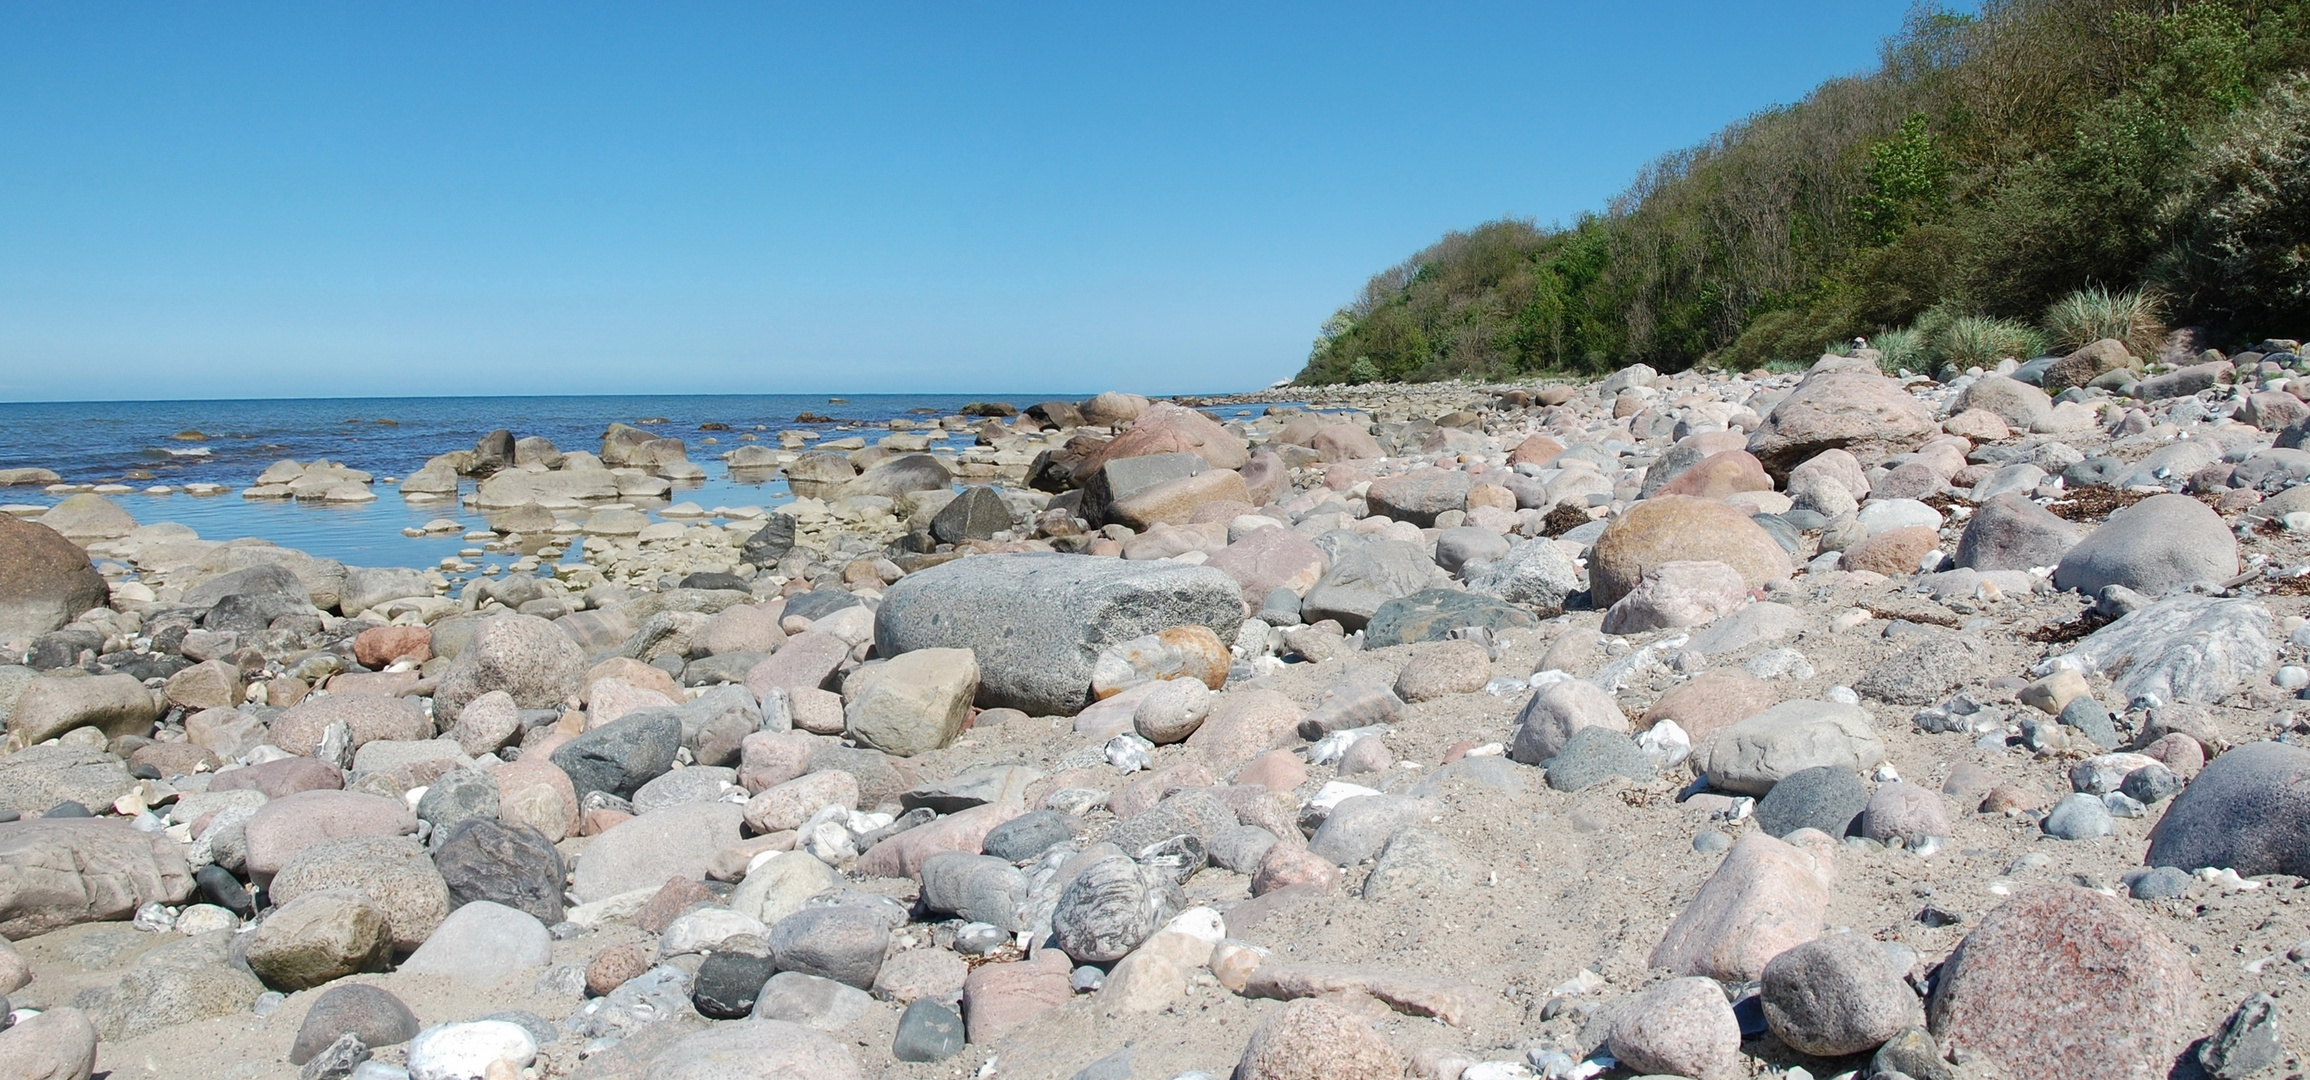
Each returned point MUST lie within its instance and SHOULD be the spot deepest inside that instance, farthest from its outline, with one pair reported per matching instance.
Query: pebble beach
(1808, 724)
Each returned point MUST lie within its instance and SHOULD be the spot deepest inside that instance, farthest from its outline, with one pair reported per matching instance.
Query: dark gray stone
(2158, 883)
(622, 755)
(1240, 847)
(1112, 906)
(1827, 798)
(1038, 622)
(771, 542)
(841, 942)
(458, 795)
(1432, 615)
(217, 885)
(2089, 718)
(980, 888)
(2249, 810)
(819, 603)
(2247, 1042)
(1839, 994)
(1026, 836)
(2010, 532)
(1594, 755)
(513, 865)
(976, 514)
(2151, 784)
(729, 983)
(368, 1013)
(927, 1031)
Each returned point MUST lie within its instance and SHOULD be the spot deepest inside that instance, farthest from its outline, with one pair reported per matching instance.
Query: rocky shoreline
(1714, 725)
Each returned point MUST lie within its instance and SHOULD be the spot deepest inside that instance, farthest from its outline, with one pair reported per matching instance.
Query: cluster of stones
(982, 765)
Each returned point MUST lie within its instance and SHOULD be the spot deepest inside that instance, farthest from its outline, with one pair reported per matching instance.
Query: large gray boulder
(2182, 648)
(1038, 622)
(368, 587)
(1754, 754)
(45, 579)
(1367, 575)
(2248, 811)
(2156, 546)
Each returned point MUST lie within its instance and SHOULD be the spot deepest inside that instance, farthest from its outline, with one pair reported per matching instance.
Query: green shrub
(2243, 218)
(2090, 314)
(1982, 341)
(1900, 349)
(1362, 370)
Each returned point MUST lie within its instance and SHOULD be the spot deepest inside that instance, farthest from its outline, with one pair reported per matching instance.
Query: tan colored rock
(1681, 528)
(1767, 896)
(914, 703)
(1712, 701)
(1001, 998)
(1842, 408)
(1176, 502)
(1720, 475)
(1893, 553)
(1450, 1000)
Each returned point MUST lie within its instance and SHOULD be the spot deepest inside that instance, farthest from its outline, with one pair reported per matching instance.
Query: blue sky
(222, 200)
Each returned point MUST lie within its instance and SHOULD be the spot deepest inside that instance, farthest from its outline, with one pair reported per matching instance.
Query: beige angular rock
(319, 937)
(114, 704)
(56, 872)
(913, 703)
(788, 805)
(1766, 897)
(58, 1044)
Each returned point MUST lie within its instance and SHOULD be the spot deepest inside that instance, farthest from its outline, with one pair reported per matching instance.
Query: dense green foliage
(1990, 169)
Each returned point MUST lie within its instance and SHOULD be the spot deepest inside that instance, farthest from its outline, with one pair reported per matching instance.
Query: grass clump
(2134, 317)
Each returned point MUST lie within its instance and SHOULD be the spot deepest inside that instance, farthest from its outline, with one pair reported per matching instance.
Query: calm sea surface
(133, 443)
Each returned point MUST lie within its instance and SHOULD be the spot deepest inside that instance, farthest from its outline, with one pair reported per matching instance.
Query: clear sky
(323, 199)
